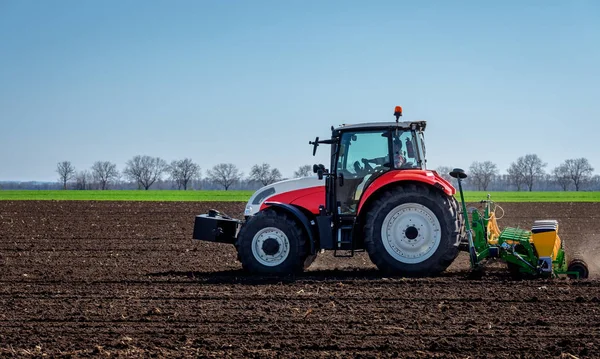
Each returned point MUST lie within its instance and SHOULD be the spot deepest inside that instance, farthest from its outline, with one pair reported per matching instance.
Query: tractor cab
(362, 153)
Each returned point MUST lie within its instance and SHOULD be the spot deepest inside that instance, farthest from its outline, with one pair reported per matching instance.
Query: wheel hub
(270, 246)
(411, 233)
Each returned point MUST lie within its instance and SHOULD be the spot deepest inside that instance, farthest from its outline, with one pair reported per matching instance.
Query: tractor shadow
(239, 276)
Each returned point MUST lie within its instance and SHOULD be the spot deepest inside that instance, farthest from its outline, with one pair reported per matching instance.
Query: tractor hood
(259, 197)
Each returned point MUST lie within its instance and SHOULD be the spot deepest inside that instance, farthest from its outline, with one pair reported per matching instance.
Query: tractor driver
(397, 156)
(399, 159)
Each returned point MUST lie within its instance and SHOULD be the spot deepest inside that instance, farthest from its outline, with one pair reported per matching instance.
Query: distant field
(117, 195)
(474, 196)
(243, 196)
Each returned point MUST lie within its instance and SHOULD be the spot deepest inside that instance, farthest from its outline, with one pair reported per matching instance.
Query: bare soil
(125, 279)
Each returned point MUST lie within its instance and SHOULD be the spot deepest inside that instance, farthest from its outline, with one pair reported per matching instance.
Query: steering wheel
(367, 165)
(357, 168)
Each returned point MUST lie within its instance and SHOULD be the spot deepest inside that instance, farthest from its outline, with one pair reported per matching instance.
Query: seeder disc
(578, 265)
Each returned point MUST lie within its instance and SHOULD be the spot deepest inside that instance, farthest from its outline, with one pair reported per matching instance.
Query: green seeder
(538, 252)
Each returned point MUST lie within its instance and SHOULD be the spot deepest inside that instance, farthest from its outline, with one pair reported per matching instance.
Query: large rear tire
(271, 242)
(413, 230)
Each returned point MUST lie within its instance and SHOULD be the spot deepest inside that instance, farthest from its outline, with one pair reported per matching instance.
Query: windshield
(404, 150)
(362, 152)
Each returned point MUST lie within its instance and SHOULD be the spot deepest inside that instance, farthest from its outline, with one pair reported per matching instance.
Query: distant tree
(595, 183)
(515, 175)
(482, 174)
(265, 174)
(183, 171)
(66, 172)
(104, 172)
(303, 171)
(224, 174)
(561, 176)
(145, 170)
(580, 171)
(444, 171)
(83, 180)
(526, 171)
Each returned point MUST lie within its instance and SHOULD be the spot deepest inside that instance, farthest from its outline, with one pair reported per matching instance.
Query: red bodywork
(423, 176)
(312, 197)
(309, 198)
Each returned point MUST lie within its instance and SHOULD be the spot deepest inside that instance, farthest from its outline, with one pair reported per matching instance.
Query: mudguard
(296, 213)
(427, 177)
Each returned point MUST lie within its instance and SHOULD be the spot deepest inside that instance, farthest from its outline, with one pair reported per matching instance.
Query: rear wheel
(412, 230)
(273, 243)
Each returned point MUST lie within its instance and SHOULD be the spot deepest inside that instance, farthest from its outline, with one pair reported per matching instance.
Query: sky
(248, 82)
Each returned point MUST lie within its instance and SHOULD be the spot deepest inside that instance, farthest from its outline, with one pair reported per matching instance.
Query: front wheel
(412, 230)
(273, 243)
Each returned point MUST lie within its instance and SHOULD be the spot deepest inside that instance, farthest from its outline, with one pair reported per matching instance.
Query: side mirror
(319, 169)
(315, 145)
(409, 149)
(458, 173)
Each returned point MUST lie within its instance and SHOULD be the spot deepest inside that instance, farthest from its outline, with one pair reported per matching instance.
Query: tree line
(529, 172)
(144, 171)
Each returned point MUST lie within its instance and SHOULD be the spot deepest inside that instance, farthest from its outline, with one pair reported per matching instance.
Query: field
(221, 196)
(102, 278)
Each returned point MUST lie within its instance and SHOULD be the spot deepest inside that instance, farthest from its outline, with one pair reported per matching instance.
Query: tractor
(377, 196)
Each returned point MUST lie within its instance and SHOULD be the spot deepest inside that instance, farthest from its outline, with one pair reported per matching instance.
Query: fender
(428, 177)
(296, 213)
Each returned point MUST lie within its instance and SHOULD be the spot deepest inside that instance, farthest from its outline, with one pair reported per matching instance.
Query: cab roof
(407, 125)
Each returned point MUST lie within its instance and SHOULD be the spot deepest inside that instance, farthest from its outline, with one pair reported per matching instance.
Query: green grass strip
(243, 196)
(125, 195)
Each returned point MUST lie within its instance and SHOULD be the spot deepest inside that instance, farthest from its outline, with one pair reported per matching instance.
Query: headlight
(263, 195)
(248, 210)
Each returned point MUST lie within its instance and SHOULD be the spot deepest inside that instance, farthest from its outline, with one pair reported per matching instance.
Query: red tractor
(377, 196)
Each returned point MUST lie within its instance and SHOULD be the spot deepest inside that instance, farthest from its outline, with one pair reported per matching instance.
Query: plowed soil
(125, 279)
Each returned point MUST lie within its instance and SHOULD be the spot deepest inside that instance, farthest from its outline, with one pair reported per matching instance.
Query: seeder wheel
(579, 266)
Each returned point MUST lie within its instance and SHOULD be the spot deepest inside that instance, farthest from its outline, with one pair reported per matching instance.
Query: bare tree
(224, 174)
(526, 171)
(66, 172)
(595, 182)
(104, 172)
(265, 174)
(482, 174)
(579, 170)
(145, 170)
(561, 176)
(82, 180)
(444, 172)
(303, 171)
(515, 175)
(183, 171)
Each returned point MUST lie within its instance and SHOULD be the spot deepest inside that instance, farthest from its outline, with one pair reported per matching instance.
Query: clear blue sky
(253, 81)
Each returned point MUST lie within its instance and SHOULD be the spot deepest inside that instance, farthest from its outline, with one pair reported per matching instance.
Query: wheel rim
(270, 246)
(411, 233)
